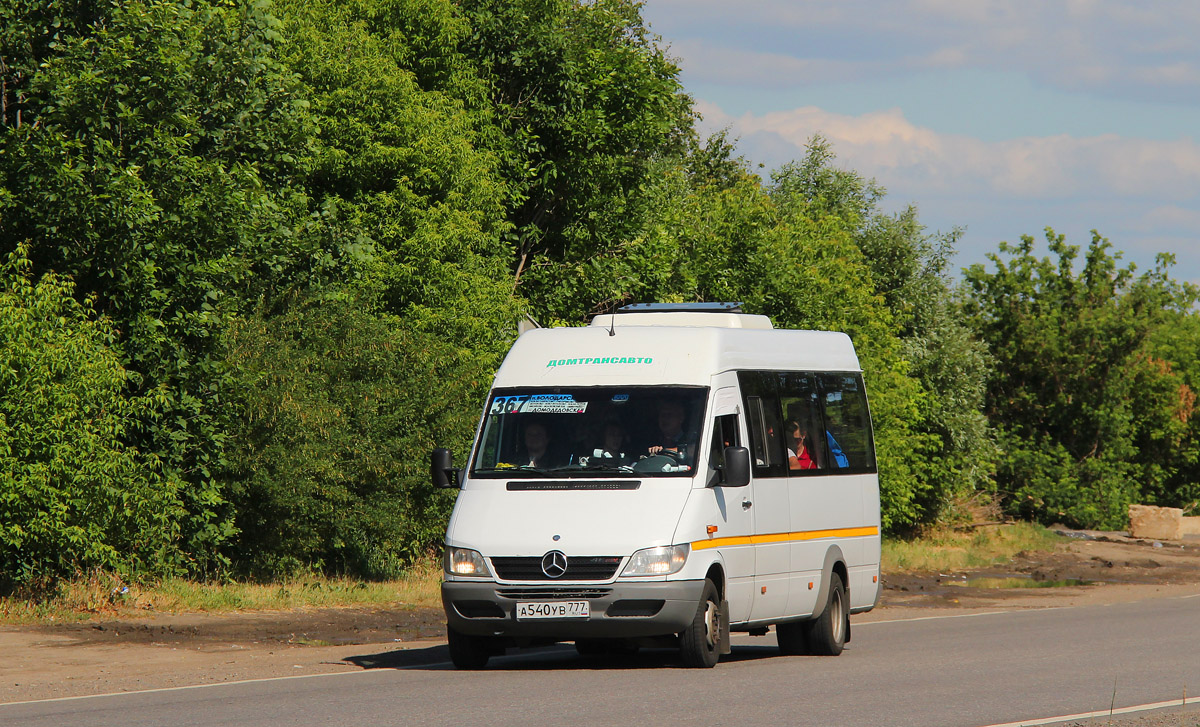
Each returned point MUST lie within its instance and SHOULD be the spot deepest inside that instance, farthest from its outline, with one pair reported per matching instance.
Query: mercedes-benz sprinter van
(664, 476)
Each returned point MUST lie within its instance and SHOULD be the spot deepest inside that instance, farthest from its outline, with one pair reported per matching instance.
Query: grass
(949, 550)
(103, 595)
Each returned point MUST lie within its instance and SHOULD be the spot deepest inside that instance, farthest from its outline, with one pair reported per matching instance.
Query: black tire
(466, 651)
(700, 642)
(826, 635)
(792, 638)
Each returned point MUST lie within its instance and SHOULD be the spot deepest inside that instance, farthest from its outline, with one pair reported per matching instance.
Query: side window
(847, 423)
(761, 396)
(803, 430)
(725, 434)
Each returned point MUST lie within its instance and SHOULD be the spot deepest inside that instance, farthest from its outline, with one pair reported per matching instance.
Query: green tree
(1089, 419)
(585, 105)
(1174, 350)
(344, 382)
(400, 164)
(156, 142)
(341, 406)
(73, 496)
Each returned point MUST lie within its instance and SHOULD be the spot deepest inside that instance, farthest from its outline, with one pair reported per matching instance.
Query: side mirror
(441, 469)
(736, 472)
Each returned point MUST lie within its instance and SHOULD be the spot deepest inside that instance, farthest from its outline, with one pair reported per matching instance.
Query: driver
(670, 436)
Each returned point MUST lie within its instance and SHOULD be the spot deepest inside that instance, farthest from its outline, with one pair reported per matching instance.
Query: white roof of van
(629, 349)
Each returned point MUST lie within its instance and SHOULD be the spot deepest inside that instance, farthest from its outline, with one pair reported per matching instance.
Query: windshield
(647, 431)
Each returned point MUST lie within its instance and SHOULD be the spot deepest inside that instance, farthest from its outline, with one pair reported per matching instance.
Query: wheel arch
(835, 562)
(716, 574)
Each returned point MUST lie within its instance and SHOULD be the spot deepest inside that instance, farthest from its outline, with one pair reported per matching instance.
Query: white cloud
(1169, 217)
(1047, 160)
(1173, 74)
(901, 155)
(723, 64)
(1120, 47)
(1140, 194)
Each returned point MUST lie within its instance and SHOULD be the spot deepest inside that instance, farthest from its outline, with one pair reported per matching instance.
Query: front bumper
(618, 610)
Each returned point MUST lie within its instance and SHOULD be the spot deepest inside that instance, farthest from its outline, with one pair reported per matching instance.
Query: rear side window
(802, 423)
(847, 423)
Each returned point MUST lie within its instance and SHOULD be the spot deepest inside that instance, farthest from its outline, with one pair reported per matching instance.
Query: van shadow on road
(559, 657)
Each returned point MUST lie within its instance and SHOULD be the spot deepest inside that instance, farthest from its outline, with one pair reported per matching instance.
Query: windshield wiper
(592, 466)
(513, 471)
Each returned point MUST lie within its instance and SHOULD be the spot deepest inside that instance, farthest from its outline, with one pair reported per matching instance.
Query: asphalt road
(965, 671)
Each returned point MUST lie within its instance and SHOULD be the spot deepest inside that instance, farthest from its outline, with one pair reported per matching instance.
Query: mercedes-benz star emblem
(554, 564)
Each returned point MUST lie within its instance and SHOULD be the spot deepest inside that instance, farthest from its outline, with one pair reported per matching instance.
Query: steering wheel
(674, 454)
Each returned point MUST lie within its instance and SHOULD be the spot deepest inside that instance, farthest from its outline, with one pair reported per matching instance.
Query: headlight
(661, 561)
(465, 562)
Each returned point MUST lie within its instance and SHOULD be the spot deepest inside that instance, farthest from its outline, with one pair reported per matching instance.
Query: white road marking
(376, 670)
(1089, 715)
(229, 684)
(1022, 610)
(959, 615)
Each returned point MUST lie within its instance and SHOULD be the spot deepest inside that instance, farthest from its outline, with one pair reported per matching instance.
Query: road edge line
(1091, 715)
(224, 684)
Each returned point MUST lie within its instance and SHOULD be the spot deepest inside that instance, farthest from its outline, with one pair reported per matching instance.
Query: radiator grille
(579, 568)
(551, 594)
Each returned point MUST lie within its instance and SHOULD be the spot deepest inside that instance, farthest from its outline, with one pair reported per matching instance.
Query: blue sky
(1002, 118)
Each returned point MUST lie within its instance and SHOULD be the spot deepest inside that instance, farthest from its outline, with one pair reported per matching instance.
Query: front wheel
(466, 651)
(826, 635)
(700, 642)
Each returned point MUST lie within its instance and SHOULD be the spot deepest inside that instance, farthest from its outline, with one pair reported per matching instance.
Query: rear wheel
(468, 652)
(700, 642)
(826, 635)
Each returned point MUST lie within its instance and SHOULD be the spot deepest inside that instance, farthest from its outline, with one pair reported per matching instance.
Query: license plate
(528, 610)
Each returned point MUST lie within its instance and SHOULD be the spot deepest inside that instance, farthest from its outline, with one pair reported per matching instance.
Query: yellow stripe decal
(784, 537)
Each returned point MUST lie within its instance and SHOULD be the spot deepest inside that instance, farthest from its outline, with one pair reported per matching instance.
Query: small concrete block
(1156, 523)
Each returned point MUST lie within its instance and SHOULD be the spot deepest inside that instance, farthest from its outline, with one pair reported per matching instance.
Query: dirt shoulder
(171, 650)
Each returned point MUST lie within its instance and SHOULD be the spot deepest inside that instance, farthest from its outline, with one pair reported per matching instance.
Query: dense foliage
(260, 258)
(73, 494)
(1088, 407)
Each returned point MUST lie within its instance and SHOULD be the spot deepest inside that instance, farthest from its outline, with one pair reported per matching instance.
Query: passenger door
(735, 521)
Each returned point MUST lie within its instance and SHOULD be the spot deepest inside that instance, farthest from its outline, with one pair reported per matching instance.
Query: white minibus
(664, 476)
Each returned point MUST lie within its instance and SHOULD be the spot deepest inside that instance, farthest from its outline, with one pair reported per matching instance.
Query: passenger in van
(615, 440)
(537, 445)
(800, 457)
(670, 436)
